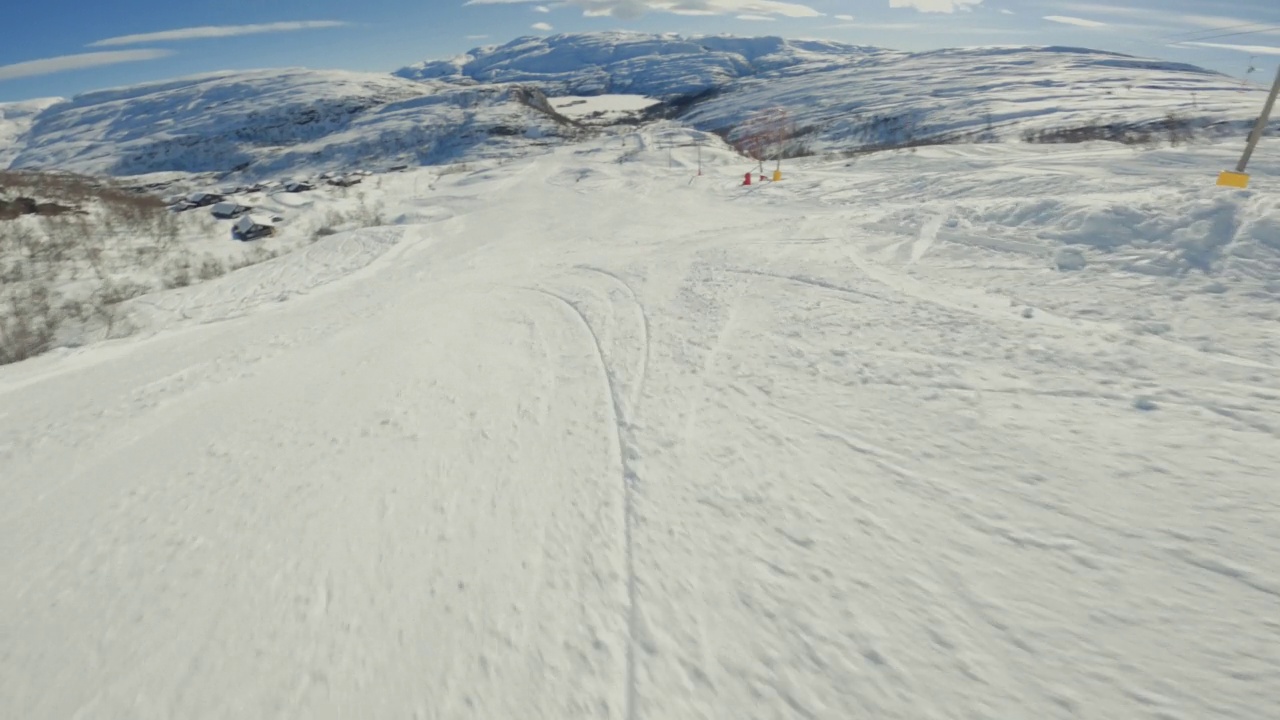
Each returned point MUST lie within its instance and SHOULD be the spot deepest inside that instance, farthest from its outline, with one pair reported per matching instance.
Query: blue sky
(63, 47)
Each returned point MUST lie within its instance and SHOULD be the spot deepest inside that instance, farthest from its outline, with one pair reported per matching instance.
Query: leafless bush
(91, 251)
(363, 216)
(211, 268)
(177, 273)
(1174, 128)
(29, 320)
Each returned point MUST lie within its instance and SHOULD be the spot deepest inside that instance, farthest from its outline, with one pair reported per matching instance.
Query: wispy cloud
(756, 18)
(630, 9)
(1165, 17)
(217, 31)
(1078, 22)
(542, 27)
(888, 27)
(63, 63)
(843, 17)
(1251, 49)
(541, 9)
(935, 6)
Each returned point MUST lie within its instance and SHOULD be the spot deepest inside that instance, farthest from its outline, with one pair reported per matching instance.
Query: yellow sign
(777, 175)
(1233, 179)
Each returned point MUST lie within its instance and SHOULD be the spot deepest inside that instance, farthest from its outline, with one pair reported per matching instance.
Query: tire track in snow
(629, 480)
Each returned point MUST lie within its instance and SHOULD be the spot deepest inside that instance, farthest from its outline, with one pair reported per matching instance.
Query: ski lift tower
(1238, 178)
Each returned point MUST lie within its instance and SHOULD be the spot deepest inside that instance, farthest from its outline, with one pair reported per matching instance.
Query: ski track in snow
(658, 449)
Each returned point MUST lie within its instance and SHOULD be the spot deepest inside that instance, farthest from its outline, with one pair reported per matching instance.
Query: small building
(252, 227)
(294, 187)
(203, 199)
(229, 210)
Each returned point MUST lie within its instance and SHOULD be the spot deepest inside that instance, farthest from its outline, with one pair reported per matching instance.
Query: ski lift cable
(1233, 34)
(1183, 35)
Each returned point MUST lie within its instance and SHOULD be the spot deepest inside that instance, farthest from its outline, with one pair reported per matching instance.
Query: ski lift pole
(1239, 178)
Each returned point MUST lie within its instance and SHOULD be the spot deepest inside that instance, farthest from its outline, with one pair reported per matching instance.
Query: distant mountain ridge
(262, 123)
(664, 65)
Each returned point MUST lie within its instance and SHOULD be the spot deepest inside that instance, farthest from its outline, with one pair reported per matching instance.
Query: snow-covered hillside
(16, 119)
(974, 431)
(843, 97)
(665, 66)
(986, 94)
(271, 122)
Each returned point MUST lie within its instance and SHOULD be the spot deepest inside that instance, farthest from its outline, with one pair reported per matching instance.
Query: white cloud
(934, 6)
(1162, 16)
(1078, 22)
(1251, 49)
(629, 9)
(542, 27)
(541, 9)
(843, 17)
(888, 27)
(63, 63)
(1006, 11)
(756, 18)
(217, 31)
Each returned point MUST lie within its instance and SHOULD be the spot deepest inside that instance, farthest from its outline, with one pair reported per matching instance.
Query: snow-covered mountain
(275, 121)
(666, 65)
(16, 119)
(485, 103)
(843, 96)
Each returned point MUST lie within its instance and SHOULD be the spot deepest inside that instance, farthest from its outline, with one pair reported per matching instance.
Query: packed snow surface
(968, 432)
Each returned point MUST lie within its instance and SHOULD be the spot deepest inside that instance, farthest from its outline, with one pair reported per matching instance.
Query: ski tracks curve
(627, 455)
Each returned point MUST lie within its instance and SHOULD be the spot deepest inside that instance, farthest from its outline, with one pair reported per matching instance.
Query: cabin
(229, 210)
(252, 227)
(203, 199)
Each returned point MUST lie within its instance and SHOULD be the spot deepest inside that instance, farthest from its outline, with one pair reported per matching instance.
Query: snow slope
(15, 120)
(272, 122)
(592, 436)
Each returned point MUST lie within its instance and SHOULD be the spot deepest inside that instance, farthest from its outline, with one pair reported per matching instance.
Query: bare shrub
(177, 273)
(29, 321)
(211, 268)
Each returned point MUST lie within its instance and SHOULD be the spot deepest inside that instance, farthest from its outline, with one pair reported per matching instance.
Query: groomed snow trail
(601, 443)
